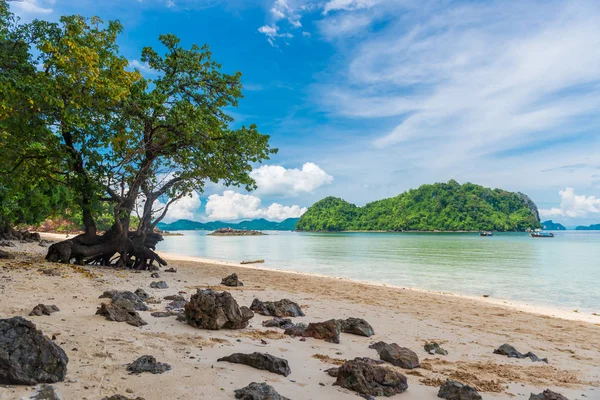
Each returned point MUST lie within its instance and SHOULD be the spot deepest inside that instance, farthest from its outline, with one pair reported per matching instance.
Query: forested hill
(441, 206)
(255, 224)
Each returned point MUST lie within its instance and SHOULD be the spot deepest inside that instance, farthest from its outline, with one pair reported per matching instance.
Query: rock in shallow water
(258, 391)
(356, 326)
(281, 308)
(547, 395)
(42, 309)
(261, 361)
(511, 352)
(208, 309)
(231, 280)
(370, 379)
(399, 356)
(452, 390)
(121, 311)
(27, 357)
(148, 364)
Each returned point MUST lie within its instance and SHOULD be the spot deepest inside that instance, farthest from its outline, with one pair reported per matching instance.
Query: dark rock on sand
(155, 275)
(511, 352)
(396, 355)
(141, 294)
(46, 392)
(42, 309)
(369, 379)
(258, 391)
(177, 306)
(27, 357)
(7, 244)
(171, 270)
(231, 280)
(547, 395)
(117, 296)
(281, 308)
(174, 297)
(434, 348)
(208, 309)
(452, 390)
(122, 311)
(329, 331)
(356, 326)
(6, 255)
(159, 285)
(262, 361)
(148, 364)
(296, 330)
(163, 314)
(277, 322)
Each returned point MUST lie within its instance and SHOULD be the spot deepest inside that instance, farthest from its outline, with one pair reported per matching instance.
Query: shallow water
(563, 271)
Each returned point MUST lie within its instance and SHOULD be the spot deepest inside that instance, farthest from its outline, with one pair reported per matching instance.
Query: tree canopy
(75, 114)
(441, 206)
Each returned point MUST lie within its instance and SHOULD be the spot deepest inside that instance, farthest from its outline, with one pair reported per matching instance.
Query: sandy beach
(469, 328)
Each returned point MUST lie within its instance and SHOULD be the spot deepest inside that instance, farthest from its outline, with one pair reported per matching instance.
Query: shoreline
(538, 309)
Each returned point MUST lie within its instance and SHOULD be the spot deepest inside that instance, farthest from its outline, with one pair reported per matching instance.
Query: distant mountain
(255, 224)
(438, 207)
(553, 226)
(595, 227)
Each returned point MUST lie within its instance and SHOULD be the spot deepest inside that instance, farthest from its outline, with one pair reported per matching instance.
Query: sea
(563, 271)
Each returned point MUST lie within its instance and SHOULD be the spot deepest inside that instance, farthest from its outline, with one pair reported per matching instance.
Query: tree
(119, 138)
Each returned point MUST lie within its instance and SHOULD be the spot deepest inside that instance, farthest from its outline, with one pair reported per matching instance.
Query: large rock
(42, 309)
(258, 391)
(328, 331)
(121, 311)
(281, 308)
(396, 355)
(136, 301)
(148, 364)
(231, 280)
(547, 395)
(511, 352)
(356, 326)
(452, 390)
(208, 309)
(370, 379)
(27, 357)
(262, 361)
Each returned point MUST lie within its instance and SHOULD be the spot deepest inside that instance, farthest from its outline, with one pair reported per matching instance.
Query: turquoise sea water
(563, 271)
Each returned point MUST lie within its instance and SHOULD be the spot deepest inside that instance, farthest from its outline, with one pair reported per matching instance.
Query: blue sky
(368, 98)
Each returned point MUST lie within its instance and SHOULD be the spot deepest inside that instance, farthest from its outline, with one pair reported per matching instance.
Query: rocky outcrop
(148, 364)
(281, 308)
(452, 390)
(547, 395)
(117, 297)
(277, 322)
(208, 309)
(159, 285)
(396, 355)
(121, 311)
(27, 357)
(261, 361)
(511, 352)
(42, 309)
(356, 326)
(258, 391)
(235, 232)
(370, 379)
(434, 348)
(328, 331)
(231, 280)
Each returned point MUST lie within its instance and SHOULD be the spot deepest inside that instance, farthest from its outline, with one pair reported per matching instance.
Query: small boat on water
(542, 234)
(486, 233)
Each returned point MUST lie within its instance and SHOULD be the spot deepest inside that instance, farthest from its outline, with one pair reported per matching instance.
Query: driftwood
(253, 262)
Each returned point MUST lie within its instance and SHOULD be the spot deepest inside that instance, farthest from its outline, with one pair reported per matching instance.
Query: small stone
(148, 364)
(434, 348)
(258, 391)
(171, 270)
(231, 280)
(281, 308)
(121, 312)
(46, 392)
(278, 323)
(155, 275)
(547, 395)
(452, 390)
(399, 356)
(159, 285)
(511, 352)
(42, 309)
(356, 326)
(260, 361)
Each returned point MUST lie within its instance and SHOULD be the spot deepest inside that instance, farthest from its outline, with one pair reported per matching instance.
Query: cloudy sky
(368, 98)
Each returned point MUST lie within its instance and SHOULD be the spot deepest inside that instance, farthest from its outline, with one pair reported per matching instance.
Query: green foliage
(441, 206)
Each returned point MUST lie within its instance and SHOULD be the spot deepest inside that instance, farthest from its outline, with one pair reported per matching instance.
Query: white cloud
(31, 7)
(573, 206)
(272, 33)
(277, 180)
(143, 67)
(235, 206)
(333, 5)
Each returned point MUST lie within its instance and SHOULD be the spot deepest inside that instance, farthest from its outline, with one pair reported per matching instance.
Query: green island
(437, 207)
